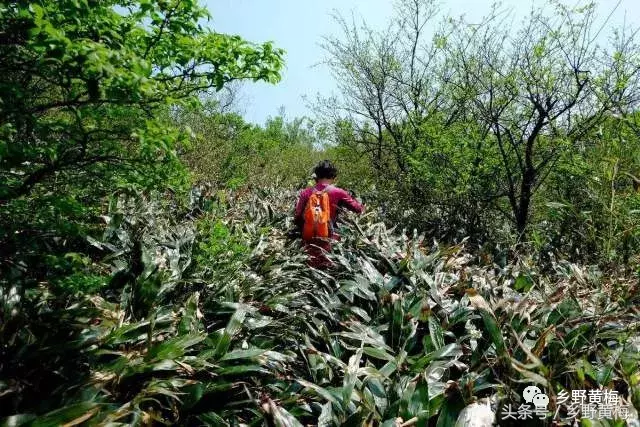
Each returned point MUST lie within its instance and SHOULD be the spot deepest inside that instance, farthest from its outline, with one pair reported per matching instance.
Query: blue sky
(298, 27)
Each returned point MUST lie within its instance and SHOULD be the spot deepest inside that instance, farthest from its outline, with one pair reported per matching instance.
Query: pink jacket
(338, 198)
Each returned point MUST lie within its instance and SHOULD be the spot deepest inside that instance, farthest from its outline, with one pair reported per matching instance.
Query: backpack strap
(326, 191)
(323, 191)
(327, 188)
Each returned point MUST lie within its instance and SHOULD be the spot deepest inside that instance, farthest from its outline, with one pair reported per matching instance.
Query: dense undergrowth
(208, 315)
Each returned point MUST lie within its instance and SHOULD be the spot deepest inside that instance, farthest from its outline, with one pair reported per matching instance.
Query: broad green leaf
(377, 353)
(243, 354)
(435, 332)
(233, 327)
(319, 390)
(173, 348)
(72, 415)
(449, 412)
(490, 322)
(523, 283)
(350, 377)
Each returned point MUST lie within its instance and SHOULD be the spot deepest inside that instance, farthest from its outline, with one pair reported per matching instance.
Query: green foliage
(217, 247)
(74, 273)
(471, 133)
(82, 82)
(590, 208)
(391, 332)
(126, 299)
(229, 153)
(85, 87)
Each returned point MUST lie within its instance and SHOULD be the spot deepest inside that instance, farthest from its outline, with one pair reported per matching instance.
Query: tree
(86, 92)
(536, 92)
(81, 81)
(229, 152)
(475, 118)
(86, 87)
(402, 114)
(388, 82)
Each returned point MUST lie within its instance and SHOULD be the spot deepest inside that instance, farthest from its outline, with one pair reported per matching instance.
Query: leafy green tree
(465, 127)
(538, 91)
(590, 204)
(81, 81)
(229, 152)
(84, 90)
(398, 110)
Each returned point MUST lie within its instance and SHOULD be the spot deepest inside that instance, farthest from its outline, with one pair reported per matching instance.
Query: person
(325, 174)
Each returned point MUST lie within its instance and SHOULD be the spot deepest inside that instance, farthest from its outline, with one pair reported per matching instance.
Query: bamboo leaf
(233, 327)
(243, 354)
(377, 353)
(490, 322)
(435, 331)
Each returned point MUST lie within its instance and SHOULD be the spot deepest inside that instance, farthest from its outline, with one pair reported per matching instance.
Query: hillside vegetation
(217, 320)
(149, 269)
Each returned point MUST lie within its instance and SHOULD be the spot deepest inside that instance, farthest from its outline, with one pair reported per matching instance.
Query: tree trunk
(524, 203)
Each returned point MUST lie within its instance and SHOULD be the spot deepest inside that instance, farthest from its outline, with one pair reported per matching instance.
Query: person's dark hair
(326, 170)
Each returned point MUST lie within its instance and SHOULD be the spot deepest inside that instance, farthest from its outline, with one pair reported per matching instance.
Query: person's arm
(298, 218)
(350, 203)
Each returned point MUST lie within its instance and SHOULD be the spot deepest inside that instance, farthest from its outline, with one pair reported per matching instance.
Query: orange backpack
(317, 215)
